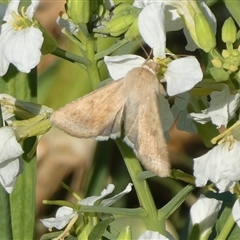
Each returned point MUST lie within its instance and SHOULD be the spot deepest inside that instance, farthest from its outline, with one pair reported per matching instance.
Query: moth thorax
(152, 65)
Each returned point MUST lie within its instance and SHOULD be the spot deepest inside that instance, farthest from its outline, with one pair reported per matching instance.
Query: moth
(131, 102)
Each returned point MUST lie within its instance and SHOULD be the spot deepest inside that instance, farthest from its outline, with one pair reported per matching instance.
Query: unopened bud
(205, 35)
(79, 10)
(229, 31)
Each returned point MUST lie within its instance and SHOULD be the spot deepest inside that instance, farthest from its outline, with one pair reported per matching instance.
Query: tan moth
(131, 102)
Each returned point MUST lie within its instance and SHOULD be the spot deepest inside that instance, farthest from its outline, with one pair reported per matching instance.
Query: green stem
(117, 212)
(71, 57)
(143, 192)
(92, 69)
(227, 228)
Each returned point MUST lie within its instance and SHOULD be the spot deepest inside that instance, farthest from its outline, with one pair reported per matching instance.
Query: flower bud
(119, 25)
(229, 31)
(133, 32)
(79, 10)
(122, 7)
(219, 74)
(124, 16)
(205, 35)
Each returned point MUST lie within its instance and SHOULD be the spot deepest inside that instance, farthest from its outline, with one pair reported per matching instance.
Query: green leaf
(174, 204)
(226, 227)
(22, 199)
(99, 229)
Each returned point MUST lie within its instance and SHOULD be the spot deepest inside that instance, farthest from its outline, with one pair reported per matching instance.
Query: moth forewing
(142, 123)
(131, 102)
(98, 114)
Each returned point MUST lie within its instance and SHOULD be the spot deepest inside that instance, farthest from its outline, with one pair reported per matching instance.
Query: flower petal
(9, 147)
(182, 75)
(89, 201)
(236, 212)
(173, 21)
(151, 23)
(141, 3)
(9, 170)
(22, 48)
(12, 7)
(119, 66)
(69, 26)
(151, 235)
(222, 106)
(32, 8)
(109, 201)
(204, 212)
(226, 164)
(200, 117)
(63, 217)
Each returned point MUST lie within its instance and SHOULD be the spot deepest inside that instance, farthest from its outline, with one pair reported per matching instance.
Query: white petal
(4, 63)
(141, 3)
(208, 15)
(151, 23)
(32, 8)
(89, 201)
(204, 212)
(12, 7)
(6, 113)
(69, 26)
(9, 170)
(109, 201)
(9, 147)
(63, 217)
(200, 117)
(22, 48)
(226, 165)
(119, 66)
(182, 75)
(173, 21)
(191, 45)
(151, 235)
(236, 212)
(222, 106)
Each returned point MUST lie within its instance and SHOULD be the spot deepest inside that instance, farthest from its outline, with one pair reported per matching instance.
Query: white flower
(65, 214)
(20, 41)
(90, 201)
(151, 235)
(62, 218)
(236, 212)
(221, 166)
(204, 212)
(173, 16)
(10, 151)
(181, 74)
(222, 108)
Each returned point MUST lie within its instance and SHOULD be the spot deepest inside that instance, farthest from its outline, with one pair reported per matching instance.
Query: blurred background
(83, 164)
